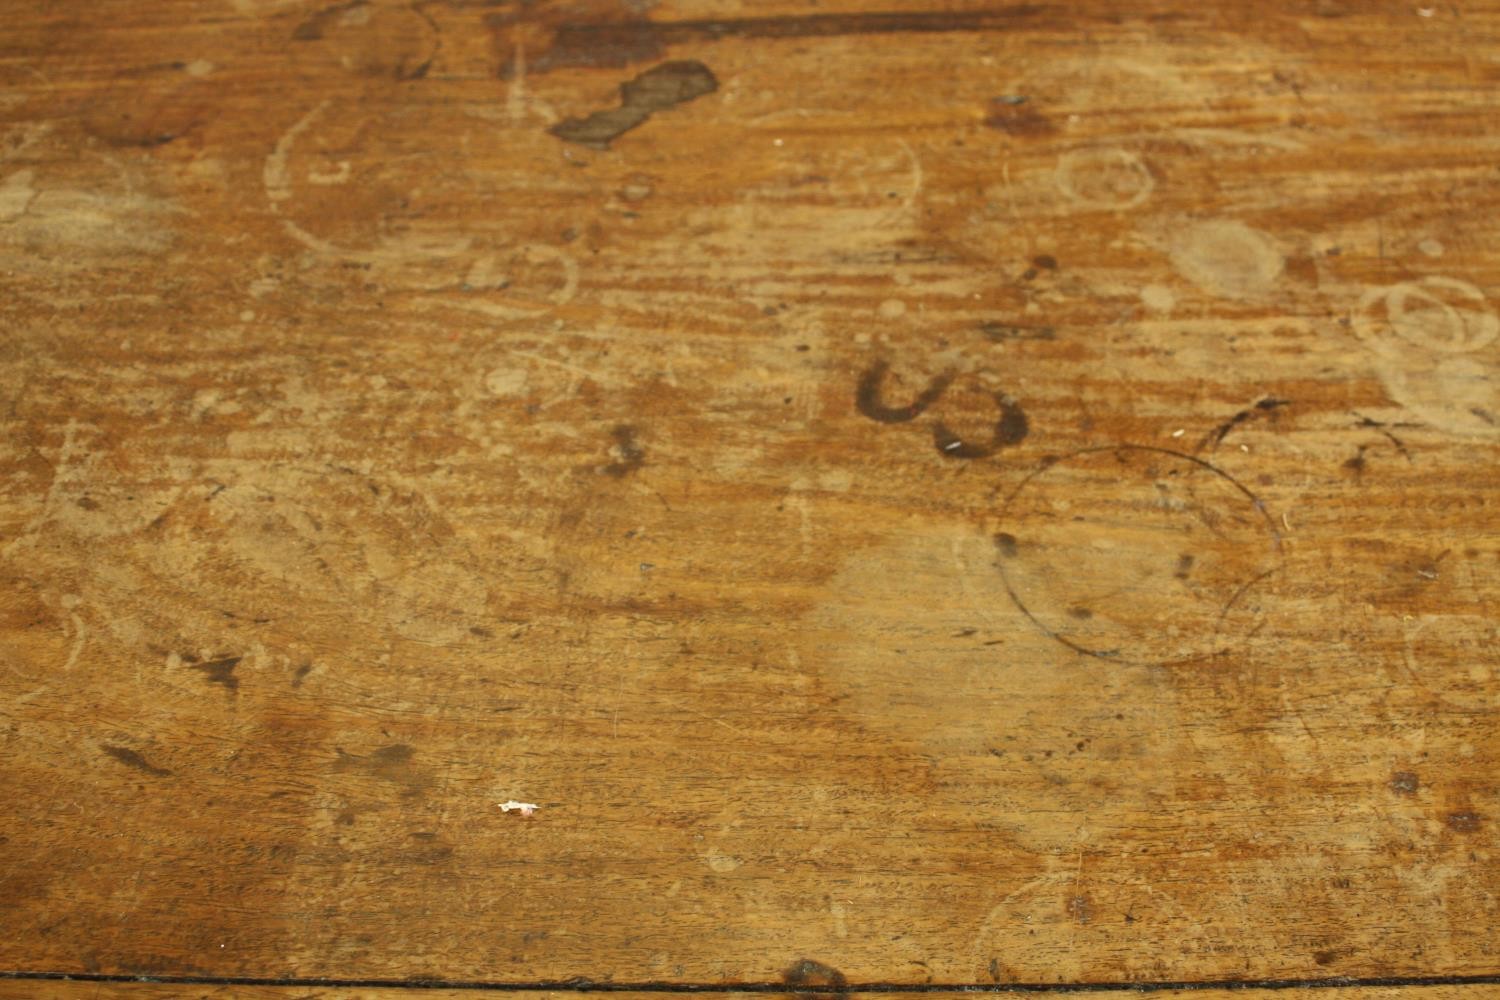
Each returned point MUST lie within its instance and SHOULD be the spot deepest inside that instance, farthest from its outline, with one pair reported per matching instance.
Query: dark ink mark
(1001, 332)
(301, 673)
(867, 396)
(1463, 822)
(808, 973)
(1006, 543)
(1222, 431)
(1356, 464)
(617, 44)
(661, 87)
(1184, 566)
(1326, 957)
(129, 134)
(1120, 452)
(632, 455)
(130, 758)
(221, 671)
(1010, 429)
(1015, 116)
(1400, 445)
(1404, 783)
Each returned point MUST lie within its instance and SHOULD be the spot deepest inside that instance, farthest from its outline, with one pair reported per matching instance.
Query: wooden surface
(958, 494)
(148, 991)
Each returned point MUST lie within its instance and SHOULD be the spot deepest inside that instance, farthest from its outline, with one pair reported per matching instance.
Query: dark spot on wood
(1045, 261)
(868, 401)
(1010, 429)
(1266, 405)
(1018, 117)
(221, 671)
(1184, 566)
(994, 970)
(1404, 783)
(1326, 957)
(631, 455)
(1000, 332)
(1080, 909)
(807, 972)
(1082, 614)
(623, 42)
(87, 503)
(659, 88)
(300, 674)
(130, 758)
(1356, 464)
(1463, 822)
(1483, 414)
(1005, 543)
(481, 631)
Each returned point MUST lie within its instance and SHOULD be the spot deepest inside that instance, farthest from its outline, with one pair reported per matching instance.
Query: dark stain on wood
(807, 972)
(867, 396)
(621, 43)
(221, 671)
(661, 87)
(1000, 332)
(1017, 116)
(1463, 822)
(631, 455)
(131, 758)
(1010, 429)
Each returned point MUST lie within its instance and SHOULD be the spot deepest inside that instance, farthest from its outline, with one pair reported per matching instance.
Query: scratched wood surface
(957, 493)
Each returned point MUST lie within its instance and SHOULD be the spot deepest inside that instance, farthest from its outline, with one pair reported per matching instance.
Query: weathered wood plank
(967, 494)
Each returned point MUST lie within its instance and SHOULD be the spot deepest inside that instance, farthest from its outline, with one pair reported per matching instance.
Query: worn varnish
(963, 494)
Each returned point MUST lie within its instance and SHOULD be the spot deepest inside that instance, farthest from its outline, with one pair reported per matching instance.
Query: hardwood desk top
(932, 497)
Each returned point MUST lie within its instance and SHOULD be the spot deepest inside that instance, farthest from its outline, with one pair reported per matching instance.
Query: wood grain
(979, 494)
(156, 991)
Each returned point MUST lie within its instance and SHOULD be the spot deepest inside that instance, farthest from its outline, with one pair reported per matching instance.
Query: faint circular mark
(1112, 179)
(1136, 554)
(1226, 257)
(1434, 344)
(1438, 314)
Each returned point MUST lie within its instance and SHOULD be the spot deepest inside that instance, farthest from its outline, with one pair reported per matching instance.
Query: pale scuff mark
(80, 634)
(15, 195)
(524, 808)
